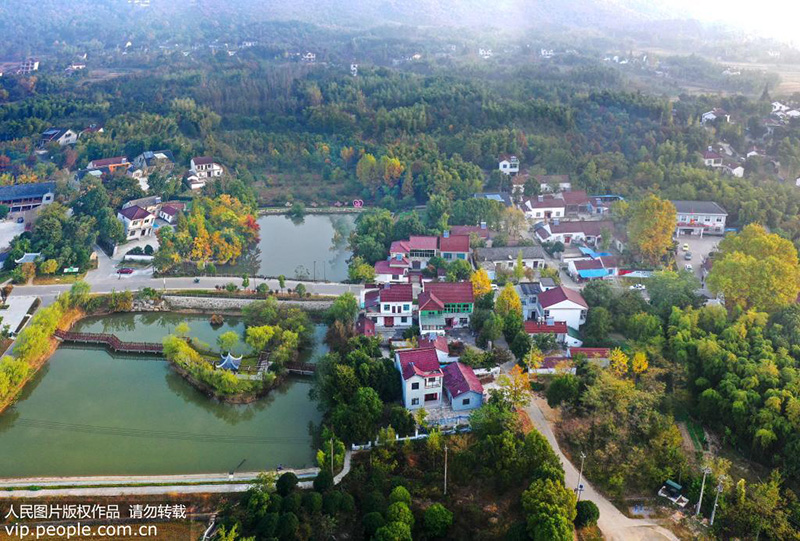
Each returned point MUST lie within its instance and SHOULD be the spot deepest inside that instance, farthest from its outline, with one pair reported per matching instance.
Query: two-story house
(110, 164)
(562, 304)
(699, 218)
(391, 306)
(529, 295)
(393, 270)
(508, 164)
(201, 170)
(504, 258)
(544, 207)
(422, 378)
(137, 222)
(25, 197)
(452, 247)
(59, 136)
(445, 305)
(418, 250)
(149, 163)
(712, 158)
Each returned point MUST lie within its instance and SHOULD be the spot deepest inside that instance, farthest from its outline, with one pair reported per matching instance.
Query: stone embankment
(222, 304)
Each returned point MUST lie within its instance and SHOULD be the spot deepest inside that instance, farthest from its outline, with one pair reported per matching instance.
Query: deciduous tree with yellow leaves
(756, 269)
(650, 228)
(481, 285)
(508, 301)
(618, 362)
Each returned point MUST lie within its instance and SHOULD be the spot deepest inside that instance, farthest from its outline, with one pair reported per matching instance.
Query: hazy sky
(779, 19)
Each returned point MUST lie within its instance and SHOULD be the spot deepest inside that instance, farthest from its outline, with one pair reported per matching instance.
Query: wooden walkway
(110, 341)
(301, 369)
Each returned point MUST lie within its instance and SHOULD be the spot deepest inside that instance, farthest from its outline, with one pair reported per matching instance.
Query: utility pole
(315, 270)
(445, 469)
(706, 471)
(578, 489)
(716, 499)
(331, 455)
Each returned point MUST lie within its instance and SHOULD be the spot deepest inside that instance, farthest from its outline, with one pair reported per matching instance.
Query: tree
(508, 301)
(400, 494)
(286, 483)
(481, 285)
(668, 289)
(48, 266)
(515, 387)
(323, 481)
(437, 520)
(394, 531)
(300, 290)
(586, 514)
(533, 359)
(281, 282)
(344, 309)
(519, 270)
(182, 329)
(650, 228)
(552, 273)
(521, 345)
(564, 388)
(514, 221)
(360, 271)
(4, 210)
(245, 281)
(550, 510)
(598, 325)
(639, 362)
(618, 362)
(756, 269)
(228, 341)
(399, 512)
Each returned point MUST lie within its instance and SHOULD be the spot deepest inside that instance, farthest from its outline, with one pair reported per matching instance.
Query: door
(431, 397)
(388, 322)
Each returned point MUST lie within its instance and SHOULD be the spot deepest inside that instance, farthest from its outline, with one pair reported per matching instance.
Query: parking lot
(699, 248)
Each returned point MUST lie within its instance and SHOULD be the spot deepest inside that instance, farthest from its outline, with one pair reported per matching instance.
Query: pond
(314, 248)
(92, 413)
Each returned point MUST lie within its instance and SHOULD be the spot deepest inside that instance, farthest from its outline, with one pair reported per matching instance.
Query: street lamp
(706, 471)
(579, 489)
(716, 499)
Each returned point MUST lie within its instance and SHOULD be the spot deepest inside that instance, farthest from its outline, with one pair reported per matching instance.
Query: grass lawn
(58, 279)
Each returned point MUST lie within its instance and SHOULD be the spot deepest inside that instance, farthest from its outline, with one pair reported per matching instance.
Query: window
(395, 276)
(583, 314)
(538, 214)
(415, 401)
(447, 255)
(461, 256)
(547, 313)
(403, 319)
(386, 308)
(465, 402)
(406, 307)
(415, 386)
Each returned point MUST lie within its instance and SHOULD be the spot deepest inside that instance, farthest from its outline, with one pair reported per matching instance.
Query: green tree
(587, 514)
(598, 325)
(550, 510)
(437, 520)
(228, 341)
(344, 309)
(668, 288)
(399, 512)
(286, 483)
(394, 531)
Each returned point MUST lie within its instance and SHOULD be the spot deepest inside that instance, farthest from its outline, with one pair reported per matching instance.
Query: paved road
(240, 482)
(614, 525)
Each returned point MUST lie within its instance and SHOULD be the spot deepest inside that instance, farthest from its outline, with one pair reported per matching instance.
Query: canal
(88, 412)
(312, 248)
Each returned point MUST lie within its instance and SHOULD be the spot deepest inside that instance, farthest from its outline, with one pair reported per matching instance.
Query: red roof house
(460, 379)
(418, 362)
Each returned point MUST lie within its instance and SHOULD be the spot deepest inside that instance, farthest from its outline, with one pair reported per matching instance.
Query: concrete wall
(177, 302)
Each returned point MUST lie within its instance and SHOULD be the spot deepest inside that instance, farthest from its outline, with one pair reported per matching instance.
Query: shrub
(291, 503)
(323, 481)
(275, 503)
(374, 502)
(148, 250)
(400, 494)
(587, 514)
(399, 512)
(287, 526)
(438, 520)
(372, 522)
(286, 483)
(331, 503)
(394, 531)
(312, 502)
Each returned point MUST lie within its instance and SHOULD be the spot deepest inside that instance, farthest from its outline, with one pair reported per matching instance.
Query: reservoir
(88, 412)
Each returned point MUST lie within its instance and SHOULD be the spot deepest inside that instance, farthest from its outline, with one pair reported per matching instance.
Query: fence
(417, 436)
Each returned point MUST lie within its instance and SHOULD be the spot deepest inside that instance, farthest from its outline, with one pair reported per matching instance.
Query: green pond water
(314, 247)
(88, 412)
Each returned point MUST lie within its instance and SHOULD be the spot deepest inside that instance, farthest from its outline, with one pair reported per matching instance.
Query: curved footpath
(164, 484)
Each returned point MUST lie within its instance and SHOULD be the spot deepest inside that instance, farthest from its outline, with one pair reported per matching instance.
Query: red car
(125, 271)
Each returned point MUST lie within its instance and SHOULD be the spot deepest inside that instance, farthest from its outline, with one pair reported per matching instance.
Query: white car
(688, 267)
(494, 287)
(637, 287)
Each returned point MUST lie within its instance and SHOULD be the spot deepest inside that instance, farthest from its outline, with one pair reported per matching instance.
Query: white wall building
(422, 378)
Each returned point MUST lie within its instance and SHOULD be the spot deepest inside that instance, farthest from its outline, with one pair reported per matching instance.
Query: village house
(712, 158)
(554, 364)
(109, 164)
(544, 207)
(169, 211)
(500, 197)
(439, 343)
(452, 247)
(390, 306)
(558, 329)
(418, 250)
(393, 270)
(60, 136)
(582, 231)
(481, 231)
(365, 326)
(150, 203)
(733, 168)
(137, 222)
(508, 164)
(25, 197)
(151, 162)
(699, 218)
(505, 258)
(464, 390)
(205, 168)
(715, 114)
(562, 305)
(445, 305)
(422, 378)
(553, 183)
(592, 265)
(529, 295)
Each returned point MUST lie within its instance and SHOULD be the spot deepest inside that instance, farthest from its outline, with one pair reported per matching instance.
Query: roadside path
(239, 482)
(614, 525)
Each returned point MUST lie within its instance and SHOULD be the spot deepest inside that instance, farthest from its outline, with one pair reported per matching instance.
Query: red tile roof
(419, 242)
(577, 197)
(482, 232)
(419, 362)
(592, 353)
(459, 379)
(134, 213)
(550, 363)
(560, 294)
(105, 162)
(586, 264)
(454, 243)
(365, 326)
(439, 343)
(451, 292)
(203, 160)
(397, 293)
(384, 267)
(592, 228)
(711, 155)
(171, 210)
(400, 247)
(430, 302)
(534, 327)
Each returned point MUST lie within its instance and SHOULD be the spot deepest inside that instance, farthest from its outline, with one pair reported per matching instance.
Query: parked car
(20, 220)
(495, 287)
(687, 256)
(688, 267)
(125, 270)
(638, 287)
(685, 247)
